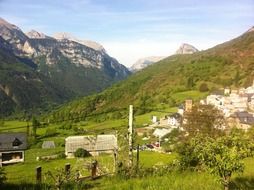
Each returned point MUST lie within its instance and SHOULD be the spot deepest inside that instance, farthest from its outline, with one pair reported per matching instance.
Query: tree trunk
(226, 182)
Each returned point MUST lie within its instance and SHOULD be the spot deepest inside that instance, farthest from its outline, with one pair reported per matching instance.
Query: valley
(78, 112)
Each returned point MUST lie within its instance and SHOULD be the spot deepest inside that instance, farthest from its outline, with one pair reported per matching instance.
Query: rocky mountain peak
(251, 29)
(186, 49)
(36, 35)
(144, 62)
(7, 24)
(67, 36)
(63, 36)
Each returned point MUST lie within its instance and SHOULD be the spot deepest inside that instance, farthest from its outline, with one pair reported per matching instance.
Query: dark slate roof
(13, 141)
(245, 117)
(181, 106)
(176, 115)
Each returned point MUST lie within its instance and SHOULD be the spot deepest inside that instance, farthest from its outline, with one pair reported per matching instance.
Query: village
(237, 107)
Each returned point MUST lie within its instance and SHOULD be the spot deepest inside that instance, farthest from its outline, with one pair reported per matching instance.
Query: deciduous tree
(204, 119)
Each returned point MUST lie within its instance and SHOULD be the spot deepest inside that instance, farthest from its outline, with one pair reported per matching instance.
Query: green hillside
(168, 82)
(23, 88)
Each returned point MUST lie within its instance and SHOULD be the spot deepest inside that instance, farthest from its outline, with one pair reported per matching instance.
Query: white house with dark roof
(12, 147)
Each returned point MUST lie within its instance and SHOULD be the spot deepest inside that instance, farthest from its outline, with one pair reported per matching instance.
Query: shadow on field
(245, 183)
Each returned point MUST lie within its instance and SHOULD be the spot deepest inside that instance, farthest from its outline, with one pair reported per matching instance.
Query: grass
(24, 173)
(14, 126)
(170, 181)
(193, 94)
(149, 159)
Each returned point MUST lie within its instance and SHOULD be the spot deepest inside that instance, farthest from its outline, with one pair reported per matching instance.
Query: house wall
(12, 157)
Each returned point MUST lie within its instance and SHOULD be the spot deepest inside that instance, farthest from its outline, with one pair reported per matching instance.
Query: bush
(66, 126)
(50, 132)
(61, 155)
(81, 153)
(203, 87)
(2, 176)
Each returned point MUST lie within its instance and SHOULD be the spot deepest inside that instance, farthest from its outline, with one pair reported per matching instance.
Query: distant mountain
(32, 34)
(171, 80)
(186, 49)
(88, 43)
(144, 62)
(66, 63)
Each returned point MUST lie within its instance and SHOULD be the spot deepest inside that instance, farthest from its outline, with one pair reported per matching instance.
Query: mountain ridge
(70, 65)
(164, 83)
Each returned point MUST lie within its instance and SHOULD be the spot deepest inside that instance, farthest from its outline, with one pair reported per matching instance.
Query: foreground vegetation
(156, 170)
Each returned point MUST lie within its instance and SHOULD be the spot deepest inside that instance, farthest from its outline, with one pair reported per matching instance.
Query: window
(16, 142)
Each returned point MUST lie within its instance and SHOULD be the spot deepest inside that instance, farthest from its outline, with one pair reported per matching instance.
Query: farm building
(12, 147)
(94, 145)
(48, 144)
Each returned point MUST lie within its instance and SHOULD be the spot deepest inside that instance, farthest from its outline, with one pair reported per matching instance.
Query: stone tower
(188, 105)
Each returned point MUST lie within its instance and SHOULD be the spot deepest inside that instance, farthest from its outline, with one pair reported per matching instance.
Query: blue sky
(136, 28)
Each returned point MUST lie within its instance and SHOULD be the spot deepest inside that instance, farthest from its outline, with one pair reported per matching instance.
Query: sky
(133, 29)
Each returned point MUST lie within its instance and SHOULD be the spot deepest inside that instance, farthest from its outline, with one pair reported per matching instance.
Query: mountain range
(38, 70)
(167, 83)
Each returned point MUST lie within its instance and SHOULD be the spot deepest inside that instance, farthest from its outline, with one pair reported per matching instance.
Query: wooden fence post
(94, 169)
(67, 169)
(38, 174)
(115, 160)
(137, 159)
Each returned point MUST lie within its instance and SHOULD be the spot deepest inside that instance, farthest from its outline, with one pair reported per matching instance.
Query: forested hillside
(167, 82)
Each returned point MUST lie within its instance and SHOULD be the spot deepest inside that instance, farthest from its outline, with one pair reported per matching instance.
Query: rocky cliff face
(144, 62)
(47, 52)
(79, 67)
(186, 49)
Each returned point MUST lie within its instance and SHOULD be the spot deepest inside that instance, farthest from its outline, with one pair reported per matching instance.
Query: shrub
(61, 155)
(50, 132)
(203, 87)
(81, 153)
(2, 176)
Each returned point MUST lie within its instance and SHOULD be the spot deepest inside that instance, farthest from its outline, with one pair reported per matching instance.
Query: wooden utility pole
(130, 133)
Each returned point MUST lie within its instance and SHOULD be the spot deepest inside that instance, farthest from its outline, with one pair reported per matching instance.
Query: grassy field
(170, 181)
(193, 94)
(24, 173)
